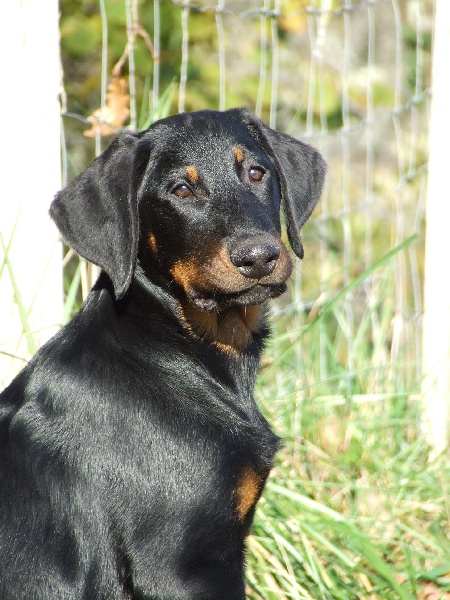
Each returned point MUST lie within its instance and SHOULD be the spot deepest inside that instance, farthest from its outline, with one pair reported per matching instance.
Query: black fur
(132, 450)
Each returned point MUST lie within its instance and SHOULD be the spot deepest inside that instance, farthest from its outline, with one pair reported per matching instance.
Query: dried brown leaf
(107, 120)
(431, 592)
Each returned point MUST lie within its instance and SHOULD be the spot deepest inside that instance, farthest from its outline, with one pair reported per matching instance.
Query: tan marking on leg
(151, 239)
(239, 155)
(248, 491)
(192, 174)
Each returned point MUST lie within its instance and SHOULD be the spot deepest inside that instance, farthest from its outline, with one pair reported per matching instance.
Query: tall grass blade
(355, 283)
(23, 313)
(369, 554)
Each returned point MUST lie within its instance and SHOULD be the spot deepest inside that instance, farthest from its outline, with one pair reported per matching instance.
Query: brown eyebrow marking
(192, 173)
(152, 243)
(239, 154)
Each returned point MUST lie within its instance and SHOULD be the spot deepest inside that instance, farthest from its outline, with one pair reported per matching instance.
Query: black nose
(255, 256)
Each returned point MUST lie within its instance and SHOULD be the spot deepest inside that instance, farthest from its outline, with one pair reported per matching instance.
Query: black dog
(132, 450)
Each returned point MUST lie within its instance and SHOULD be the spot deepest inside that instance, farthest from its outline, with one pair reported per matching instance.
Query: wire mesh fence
(351, 78)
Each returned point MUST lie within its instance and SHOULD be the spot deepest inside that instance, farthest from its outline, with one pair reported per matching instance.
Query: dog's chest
(192, 488)
(209, 471)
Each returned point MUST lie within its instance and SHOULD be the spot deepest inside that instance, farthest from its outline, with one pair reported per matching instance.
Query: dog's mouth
(257, 294)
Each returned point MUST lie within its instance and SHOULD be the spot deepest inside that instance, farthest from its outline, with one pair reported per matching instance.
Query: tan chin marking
(217, 274)
(230, 331)
(185, 273)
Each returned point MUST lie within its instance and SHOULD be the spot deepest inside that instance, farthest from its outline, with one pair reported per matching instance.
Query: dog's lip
(253, 295)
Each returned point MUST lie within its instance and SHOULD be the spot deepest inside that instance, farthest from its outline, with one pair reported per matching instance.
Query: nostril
(255, 257)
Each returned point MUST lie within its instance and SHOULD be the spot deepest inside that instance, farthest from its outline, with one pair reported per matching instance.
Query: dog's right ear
(97, 213)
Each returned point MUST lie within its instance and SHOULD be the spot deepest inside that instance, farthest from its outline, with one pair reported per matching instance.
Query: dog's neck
(231, 331)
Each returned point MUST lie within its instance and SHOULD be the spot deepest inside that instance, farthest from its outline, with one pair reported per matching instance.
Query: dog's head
(196, 199)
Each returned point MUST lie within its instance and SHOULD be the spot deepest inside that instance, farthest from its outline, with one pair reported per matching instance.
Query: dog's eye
(182, 191)
(256, 173)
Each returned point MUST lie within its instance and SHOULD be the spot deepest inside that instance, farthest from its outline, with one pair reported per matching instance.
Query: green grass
(353, 507)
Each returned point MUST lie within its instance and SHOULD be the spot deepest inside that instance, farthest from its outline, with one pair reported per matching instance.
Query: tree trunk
(31, 299)
(436, 323)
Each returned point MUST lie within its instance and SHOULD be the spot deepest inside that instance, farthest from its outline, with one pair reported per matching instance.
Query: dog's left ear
(301, 170)
(97, 213)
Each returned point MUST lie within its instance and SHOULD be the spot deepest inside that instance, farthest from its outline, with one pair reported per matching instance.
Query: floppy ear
(301, 170)
(97, 212)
